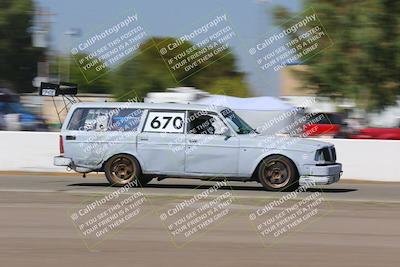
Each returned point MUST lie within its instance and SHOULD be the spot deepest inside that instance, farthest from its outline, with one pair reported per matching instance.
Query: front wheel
(124, 169)
(278, 173)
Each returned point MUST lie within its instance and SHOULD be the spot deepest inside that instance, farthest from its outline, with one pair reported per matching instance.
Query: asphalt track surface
(358, 225)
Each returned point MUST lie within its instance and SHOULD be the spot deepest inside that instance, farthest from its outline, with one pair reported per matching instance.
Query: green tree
(101, 83)
(144, 72)
(147, 72)
(364, 62)
(232, 86)
(18, 59)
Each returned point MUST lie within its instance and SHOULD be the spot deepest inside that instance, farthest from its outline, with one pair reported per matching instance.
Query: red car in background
(332, 125)
(377, 133)
(329, 125)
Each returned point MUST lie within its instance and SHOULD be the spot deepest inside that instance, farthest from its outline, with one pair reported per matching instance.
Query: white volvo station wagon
(136, 142)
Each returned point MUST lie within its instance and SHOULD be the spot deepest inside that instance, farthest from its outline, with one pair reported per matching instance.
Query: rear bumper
(320, 175)
(68, 162)
(61, 161)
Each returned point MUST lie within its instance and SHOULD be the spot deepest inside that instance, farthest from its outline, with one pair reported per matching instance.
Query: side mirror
(226, 132)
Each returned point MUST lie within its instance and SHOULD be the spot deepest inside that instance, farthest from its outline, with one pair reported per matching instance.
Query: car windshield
(237, 123)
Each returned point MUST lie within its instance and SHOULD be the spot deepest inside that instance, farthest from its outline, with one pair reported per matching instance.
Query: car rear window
(105, 119)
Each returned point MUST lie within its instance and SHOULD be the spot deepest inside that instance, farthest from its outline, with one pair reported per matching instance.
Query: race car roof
(172, 106)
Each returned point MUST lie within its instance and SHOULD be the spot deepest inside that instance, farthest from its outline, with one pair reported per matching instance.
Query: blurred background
(354, 83)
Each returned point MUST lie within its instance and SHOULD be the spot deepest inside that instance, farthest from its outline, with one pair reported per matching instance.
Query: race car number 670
(171, 122)
(177, 122)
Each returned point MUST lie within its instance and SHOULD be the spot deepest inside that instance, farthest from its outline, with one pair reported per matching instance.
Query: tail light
(61, 144)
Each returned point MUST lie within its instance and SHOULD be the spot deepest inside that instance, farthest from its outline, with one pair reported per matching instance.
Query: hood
(284, 143)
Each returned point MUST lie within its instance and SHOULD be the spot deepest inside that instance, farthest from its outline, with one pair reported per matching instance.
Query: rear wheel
(278, 173)
(123, 169)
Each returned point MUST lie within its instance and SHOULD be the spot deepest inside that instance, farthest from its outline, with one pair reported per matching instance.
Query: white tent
(269, 115)
(262, 103)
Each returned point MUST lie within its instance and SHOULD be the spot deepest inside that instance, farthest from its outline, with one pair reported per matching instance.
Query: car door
(161, 144)
(208, 151)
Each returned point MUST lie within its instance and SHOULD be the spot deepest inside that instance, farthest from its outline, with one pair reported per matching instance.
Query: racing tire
(278, 173)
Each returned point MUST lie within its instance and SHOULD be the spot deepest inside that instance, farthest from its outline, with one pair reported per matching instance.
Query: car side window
(125, 120)
(105, 119)
(205, 123)
(165, 122)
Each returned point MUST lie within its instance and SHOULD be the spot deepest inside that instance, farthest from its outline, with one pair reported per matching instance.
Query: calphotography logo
(110, 46)
(302, 37)
(194, 216)
(100, 218)
(198, 47)
(290, 213)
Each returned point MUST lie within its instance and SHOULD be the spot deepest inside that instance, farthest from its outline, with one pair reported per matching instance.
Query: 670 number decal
(177, 122)
(169, 122)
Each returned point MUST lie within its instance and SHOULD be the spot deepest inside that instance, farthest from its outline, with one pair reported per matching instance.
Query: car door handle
(192, 141)
(70, 137)
(143, 139)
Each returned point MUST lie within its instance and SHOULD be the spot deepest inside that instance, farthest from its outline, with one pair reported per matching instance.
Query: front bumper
(61, 161)
(320, 175)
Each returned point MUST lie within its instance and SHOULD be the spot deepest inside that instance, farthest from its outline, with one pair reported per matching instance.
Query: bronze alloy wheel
(277, 173)
(122, 169)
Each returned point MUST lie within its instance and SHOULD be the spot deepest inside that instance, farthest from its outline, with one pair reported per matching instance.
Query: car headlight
(326, 154)
(319, 156)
